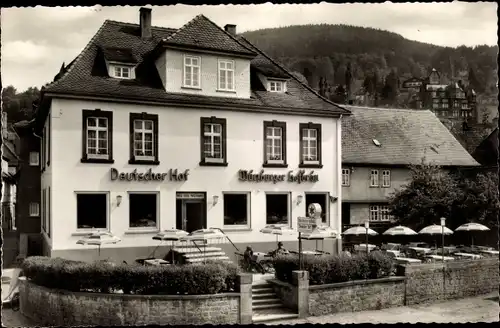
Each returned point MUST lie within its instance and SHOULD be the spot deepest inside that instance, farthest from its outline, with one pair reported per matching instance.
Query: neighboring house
(28, 191)
(486, 153)
(154, 128)
(377, 147)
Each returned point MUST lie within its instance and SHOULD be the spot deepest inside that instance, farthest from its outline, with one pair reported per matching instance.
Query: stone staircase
(266, 305)
(192, 255)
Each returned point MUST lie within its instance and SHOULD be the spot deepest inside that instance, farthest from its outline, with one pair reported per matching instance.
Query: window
(143, 210)
(277, 208)
(213, 141)
(276, 86)
(323, 200)
(386, 178)
(97, 136)
(122, 72)
(445, 103)
(34, 158)
(34, 209)
(192, 72)
(236, 209)
(310, 148)
(92, 210)
(275, 144)
(464, 105)
(455, 113)
(374, 178)
(346, 177)
(226, 75)
(379, 213)
(435, 103)
(144, 133)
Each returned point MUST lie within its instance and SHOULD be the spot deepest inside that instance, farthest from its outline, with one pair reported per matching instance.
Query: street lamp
(367, 226)
(443, 223)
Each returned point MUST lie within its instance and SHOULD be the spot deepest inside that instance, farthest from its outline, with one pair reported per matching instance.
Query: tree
(339, 95)
(19, 106)
(430, 195)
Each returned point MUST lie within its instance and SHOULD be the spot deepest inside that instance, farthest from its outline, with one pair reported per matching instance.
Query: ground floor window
(322, 200)
(92, 210)
(236, 209)
(143, 210)
(380, 213)
(277, 208)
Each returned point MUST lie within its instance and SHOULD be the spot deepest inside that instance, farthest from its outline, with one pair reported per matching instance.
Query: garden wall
(63, 308)
(426, 283)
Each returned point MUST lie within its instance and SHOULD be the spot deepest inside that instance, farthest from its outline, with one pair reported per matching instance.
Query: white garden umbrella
(99, 238)
(172, 235)
(203, 235)
(320, 233)
(359, 230)
(400, 231)
(472, 227)
(435, 230)
(277, 229)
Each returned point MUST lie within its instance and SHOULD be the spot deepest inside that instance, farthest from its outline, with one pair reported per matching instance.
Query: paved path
(483, 308)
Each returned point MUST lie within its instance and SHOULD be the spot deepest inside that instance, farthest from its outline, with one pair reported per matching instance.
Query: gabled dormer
(203, 59)
(120, 63)
(272, 77)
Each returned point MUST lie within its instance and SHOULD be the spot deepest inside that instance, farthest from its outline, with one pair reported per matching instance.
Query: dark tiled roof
(201, 32)
(122, 55)
(471, 138)
(87, 75)
(486, 152)
(405, 137)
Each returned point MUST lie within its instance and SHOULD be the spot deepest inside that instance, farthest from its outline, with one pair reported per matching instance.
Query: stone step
(261, 318)
(207, 258)
(262, 290)
(269, 301)
(263, 295)
(207, 254)
(186, 250)
(267, 306)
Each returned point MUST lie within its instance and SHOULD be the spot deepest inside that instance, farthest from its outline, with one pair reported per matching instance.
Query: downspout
(338, 183)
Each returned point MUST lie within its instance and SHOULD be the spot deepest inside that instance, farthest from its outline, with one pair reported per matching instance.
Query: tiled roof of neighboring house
(471, 138)
(87, 75)
(405, 137)
(122, 55)
(486, 152)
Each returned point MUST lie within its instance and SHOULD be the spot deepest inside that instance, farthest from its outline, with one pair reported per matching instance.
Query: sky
(36, 41)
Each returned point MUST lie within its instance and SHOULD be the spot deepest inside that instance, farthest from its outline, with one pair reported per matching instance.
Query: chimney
(145, 22)
(231, 29)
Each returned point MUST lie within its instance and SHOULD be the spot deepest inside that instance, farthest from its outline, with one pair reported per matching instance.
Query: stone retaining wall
(426, 283)
(63, 308)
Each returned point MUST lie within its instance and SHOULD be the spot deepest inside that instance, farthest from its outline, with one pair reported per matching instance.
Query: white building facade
(214, 154)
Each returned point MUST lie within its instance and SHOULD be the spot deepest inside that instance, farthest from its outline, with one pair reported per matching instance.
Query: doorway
(191, 211)
(322, 199)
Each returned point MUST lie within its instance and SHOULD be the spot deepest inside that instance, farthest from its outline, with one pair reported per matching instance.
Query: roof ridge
(293, 76)
(137, 25)
(79, 57)
(390, 109)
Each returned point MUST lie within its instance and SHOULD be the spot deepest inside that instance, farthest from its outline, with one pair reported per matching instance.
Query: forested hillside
(324, 50)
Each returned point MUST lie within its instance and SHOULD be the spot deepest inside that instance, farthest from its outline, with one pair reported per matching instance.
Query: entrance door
(191, 211)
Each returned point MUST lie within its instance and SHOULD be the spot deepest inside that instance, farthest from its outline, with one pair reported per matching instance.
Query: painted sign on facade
(149, 175)
(299, 177)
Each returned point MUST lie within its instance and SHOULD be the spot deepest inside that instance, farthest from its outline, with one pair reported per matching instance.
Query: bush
(105, 277)
(332, 269)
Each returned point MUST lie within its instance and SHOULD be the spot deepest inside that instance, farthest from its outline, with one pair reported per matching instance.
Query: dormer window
(192, 67)
(276, 86)
(226, 75)
(122, 72)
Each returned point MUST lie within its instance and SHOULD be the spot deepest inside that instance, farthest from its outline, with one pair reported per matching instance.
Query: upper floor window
(34, 158)
(122, 72)
(445, 104)
(274, 143)
(144, 132)
(276, 86)
(34, 209)
(346, 177)
(192, 67)
(97, 136)
(374, 178)
(386, 178)
(310, 148)
(213, 141)
(226, 75)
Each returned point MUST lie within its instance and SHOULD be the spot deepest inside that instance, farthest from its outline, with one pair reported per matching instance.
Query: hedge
(335, 268)
(57, 273)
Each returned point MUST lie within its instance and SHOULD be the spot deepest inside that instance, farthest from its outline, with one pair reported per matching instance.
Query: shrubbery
(210, 278)
(332, 269)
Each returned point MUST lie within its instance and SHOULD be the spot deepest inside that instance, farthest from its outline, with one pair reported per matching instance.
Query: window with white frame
(143, 210)
(92, 210)
(143, 139)
(236, 209)
(276, 86)
(379, 213)
(373, 216)
(277, 208)
(34, 158)
(122, 72)
(346, 177)
(275, 142)
(98, 126)
(386, 178)
(310, 135)
(213, 140)
(34, 209)
(226, 75)
(192, 69)
(374, 180)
